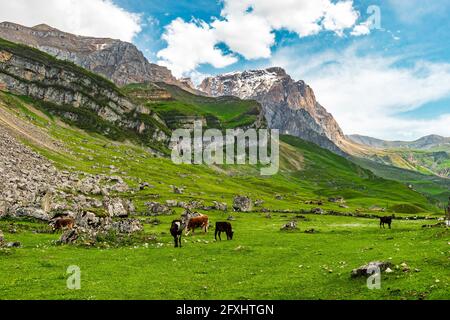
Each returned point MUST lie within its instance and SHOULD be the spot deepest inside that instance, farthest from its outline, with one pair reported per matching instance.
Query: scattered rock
(363, 270)
(2, 237)
(311, 231)
(231, 218)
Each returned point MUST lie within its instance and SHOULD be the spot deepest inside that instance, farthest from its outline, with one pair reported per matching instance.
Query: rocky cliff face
(288, 105)
(73, 92)
(118, 61)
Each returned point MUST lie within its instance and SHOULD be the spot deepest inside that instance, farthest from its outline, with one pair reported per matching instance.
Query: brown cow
(197, 222)
(64, 223)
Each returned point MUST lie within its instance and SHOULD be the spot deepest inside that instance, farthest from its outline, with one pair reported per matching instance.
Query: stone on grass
(364, 270)
(242, 204)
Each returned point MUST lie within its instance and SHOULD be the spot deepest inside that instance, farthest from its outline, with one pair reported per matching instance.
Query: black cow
(224, 227)
(386, 220)
(176, 230)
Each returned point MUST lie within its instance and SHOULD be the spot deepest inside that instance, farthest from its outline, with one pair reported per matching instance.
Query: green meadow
(261, 262)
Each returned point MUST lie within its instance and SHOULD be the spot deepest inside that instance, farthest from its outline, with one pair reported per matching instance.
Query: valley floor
(262, 262)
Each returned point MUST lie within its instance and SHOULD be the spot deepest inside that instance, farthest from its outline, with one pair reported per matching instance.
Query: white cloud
(249, 35)
(98, 18)
(247, 28)
(367, 94)
(361, 29)
(189, 45)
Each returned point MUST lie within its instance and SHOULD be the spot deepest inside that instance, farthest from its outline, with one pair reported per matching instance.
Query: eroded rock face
(289, 105)
(77, 93)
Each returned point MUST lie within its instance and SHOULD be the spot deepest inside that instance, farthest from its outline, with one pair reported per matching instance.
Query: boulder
(2, 237)
(242, 204)
(31, 213)
(376, 265)
(290, 226)
(172, 203)
(116, 207)
(177, 190)
(317, 211)
(127, 226)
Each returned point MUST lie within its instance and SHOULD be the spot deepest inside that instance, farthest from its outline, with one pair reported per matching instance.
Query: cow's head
(230, 235)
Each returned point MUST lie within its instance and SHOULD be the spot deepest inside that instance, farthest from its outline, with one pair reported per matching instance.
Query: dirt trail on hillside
(23, 130)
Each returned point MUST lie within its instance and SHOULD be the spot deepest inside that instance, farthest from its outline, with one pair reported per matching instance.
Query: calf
(176, 230)
(224, 227)
(386, 220)
(63, 223)
(197, 222)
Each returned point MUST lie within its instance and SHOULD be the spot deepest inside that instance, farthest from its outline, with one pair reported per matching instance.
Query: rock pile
(30, 186)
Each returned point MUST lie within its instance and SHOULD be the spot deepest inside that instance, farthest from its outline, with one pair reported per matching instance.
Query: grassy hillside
(175, 105)
(433, 187)
(307, 171)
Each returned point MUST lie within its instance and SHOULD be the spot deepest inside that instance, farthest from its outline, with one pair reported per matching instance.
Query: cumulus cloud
(98, 18)
(368, 94)
(189, 45)
(247, 28)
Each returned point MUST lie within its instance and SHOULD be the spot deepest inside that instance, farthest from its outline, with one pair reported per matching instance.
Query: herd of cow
(190, 222)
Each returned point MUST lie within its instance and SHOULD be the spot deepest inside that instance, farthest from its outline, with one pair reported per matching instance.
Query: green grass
(261, 262)
(222, 112)
(435, 188)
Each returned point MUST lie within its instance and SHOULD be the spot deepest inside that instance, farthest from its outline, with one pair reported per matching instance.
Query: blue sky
(391, 82)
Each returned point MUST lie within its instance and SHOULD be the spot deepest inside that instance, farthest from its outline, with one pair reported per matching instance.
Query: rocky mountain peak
(289, 105)
(44, 27)
(119, 61)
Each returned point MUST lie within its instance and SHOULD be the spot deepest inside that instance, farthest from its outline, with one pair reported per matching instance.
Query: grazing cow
(224, 227)
(63, 223)
(386, 220)
(176, 230)
(197, 222)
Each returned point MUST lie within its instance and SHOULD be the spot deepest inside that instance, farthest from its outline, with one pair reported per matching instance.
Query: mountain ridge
(289, 105)
(121, 62)
(423, 143)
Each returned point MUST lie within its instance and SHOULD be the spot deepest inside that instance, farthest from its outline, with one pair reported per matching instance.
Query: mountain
(119, 61)
(288, 105)
(428, 155)
(424, 143)
(80, 97)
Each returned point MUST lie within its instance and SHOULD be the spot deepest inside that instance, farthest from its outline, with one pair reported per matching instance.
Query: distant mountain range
(424, 143)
